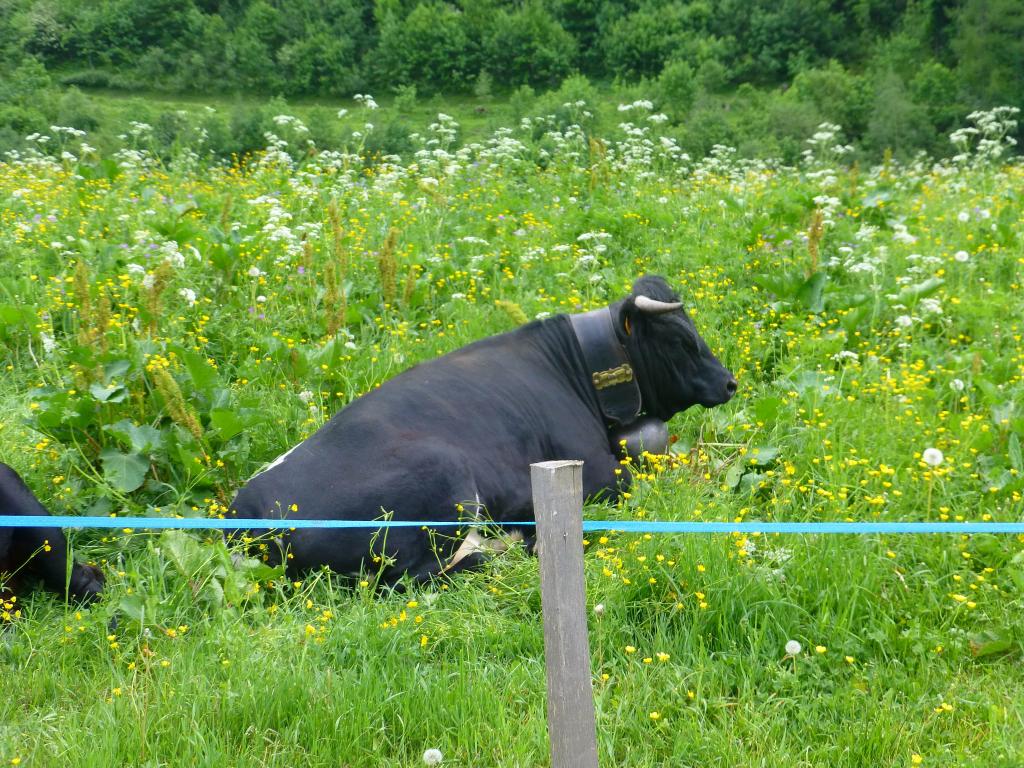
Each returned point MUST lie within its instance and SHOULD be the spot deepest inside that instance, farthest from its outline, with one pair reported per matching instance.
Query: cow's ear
(627, 315)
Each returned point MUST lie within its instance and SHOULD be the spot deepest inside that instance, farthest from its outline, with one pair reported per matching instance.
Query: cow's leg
(42, 552)
(600, 482)
(422, 483)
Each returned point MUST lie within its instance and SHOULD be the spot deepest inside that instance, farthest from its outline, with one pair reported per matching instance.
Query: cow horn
(655, 307)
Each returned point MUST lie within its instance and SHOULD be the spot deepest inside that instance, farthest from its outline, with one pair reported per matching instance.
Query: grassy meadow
(169, 324)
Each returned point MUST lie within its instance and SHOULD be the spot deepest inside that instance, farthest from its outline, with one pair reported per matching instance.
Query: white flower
(188, 295)
(254, 272)
(957, 385)
(433, 757)
(963, 216)
(342, 112)
(904, 321)
(49, 344)
(366, 100)
(793, 647)
(932, 457)
(962, 256)
(261, 299)
(305, 396)
(599, 609)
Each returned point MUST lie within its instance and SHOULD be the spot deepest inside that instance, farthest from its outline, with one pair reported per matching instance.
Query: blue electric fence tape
(624, 526)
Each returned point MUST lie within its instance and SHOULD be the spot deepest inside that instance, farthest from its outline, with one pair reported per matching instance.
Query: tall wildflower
(177, 408)
(598, 162)
(814, 234)
(225, 213)
(410, 284)
(387, 266)
(307, 256)
(101, 320)
(161, 277)
(335, 300)
(83, 301)
(513, 310)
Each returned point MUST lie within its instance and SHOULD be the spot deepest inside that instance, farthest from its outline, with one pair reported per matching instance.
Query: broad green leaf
(920, 290)
(811, 293)
(226, 422)
(108, 394)
(144, 439)
(1016, 460)
(125, 471)
(115, 369)
(184, 552)
(204, 376)
(16, 315)
(762, 454)
(732, 477)
(134, 607)
(767, 408)
(991, 641)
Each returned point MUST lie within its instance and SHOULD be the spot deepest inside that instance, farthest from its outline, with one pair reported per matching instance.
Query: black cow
(453, 438)
(38, 553)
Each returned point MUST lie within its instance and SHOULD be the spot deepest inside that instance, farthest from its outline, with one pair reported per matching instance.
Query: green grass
(911, 645)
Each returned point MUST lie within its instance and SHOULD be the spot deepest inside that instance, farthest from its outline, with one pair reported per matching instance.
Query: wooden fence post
(558, 507)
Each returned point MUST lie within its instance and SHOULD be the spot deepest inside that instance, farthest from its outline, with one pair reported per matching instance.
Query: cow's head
(86, 582)
(674, 365)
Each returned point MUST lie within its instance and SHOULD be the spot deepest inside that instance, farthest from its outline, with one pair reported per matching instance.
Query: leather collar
(611, 373)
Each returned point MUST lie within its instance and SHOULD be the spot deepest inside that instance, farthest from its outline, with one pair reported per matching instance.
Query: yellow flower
(916, 759)
(630, 649)
(655, 715)
(820, 649)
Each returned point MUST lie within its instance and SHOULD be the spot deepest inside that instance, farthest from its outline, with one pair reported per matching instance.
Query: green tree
(528, 45)
(676, 89)
(639, 44)
(935, 88)
(896, 122)
(840, 96)
(989, 44)
(429, 47)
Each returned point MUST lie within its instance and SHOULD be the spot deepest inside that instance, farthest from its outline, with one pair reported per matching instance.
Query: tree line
(890, 71)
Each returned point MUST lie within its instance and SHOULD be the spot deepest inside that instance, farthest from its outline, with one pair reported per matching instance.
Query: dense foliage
(894, 74)
(170, 322)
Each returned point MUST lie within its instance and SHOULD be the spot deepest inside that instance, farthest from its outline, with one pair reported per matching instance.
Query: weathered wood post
(558, 506)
